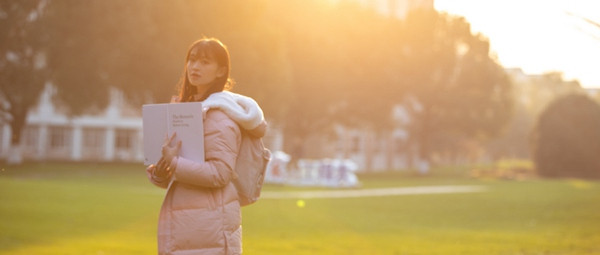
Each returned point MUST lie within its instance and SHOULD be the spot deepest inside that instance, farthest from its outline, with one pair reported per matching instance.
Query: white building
(115, 134)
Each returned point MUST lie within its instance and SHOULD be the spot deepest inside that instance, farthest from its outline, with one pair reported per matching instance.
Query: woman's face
(202, 70)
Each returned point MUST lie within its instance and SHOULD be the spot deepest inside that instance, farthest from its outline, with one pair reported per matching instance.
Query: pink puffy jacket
(201, 213)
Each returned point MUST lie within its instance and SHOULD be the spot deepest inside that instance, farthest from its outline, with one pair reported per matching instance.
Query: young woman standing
(201, 211)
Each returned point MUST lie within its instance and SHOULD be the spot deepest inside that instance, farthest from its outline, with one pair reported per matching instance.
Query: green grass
(112, 209)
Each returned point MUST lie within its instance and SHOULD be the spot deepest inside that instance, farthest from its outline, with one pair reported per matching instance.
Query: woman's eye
(201, 60)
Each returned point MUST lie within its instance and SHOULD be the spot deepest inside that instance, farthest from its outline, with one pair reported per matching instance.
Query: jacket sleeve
(221, 144)
(260, 130)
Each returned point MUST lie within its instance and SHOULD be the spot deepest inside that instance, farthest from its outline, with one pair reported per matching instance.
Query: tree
(147, 43)
(23, 71)
(532, 95)
(311, 47)
(566, 138)
(461, 92)
(87, 47)
(104, 44)
(340, 63)
(309, 63)
(514, 142)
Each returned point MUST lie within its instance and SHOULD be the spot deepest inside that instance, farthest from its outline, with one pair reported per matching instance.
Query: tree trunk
(17, 124)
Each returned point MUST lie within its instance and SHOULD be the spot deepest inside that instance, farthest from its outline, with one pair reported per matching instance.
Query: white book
(160, 120)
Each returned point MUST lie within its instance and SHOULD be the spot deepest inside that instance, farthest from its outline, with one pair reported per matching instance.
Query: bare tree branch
(589, 21)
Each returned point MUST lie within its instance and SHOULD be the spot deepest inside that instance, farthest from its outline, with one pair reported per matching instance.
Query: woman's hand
(159, 172)
(150, 171)
(170, 152)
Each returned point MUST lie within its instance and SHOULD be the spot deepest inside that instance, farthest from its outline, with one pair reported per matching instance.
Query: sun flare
(538, 36)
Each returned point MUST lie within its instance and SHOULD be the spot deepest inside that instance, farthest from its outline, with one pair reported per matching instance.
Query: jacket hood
(242, 109)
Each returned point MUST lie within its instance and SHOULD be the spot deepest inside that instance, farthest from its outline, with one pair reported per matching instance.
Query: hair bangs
(211, 50)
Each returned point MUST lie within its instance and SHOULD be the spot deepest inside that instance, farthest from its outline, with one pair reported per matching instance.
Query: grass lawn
(97, 209)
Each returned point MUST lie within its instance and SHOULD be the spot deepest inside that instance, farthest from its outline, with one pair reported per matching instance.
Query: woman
(201, 212)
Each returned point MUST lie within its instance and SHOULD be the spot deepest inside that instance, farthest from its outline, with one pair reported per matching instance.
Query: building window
(93, 138)
(124, 138)
(60, 137)
(31, 136)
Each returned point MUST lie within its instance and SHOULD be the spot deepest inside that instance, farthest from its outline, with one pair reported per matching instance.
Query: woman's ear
(221, 72)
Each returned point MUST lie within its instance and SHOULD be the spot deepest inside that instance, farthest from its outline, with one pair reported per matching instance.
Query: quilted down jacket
(201, 213)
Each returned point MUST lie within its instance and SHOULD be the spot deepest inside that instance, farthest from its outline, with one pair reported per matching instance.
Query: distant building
(535, 91)
(113, 135)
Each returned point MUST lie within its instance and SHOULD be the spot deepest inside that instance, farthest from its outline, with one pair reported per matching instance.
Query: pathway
(399, 191)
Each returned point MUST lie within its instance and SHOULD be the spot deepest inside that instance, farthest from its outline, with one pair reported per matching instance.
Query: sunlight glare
(538, 36)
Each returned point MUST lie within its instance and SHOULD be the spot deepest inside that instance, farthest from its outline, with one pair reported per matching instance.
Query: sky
(538, 36)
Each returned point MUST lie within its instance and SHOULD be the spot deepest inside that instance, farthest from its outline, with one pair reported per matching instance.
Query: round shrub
(566, 138)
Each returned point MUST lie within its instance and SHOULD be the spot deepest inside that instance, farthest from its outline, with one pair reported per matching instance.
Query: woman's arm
(222, 137)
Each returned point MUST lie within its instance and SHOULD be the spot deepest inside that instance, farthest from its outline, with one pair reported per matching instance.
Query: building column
(139, 145)
(5, 141)
(76, 143)
(42, 145)
(109, 146)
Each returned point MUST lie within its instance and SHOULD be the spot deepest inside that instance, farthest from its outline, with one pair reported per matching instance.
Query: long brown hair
(211, 48)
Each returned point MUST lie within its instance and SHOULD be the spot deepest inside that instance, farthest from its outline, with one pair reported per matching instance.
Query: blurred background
(388, 84)
(386, 101)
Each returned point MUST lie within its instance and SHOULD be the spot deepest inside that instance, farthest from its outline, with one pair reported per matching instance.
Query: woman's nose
(195, 64)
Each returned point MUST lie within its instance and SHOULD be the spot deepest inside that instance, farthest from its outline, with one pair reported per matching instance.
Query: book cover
(160, 120)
